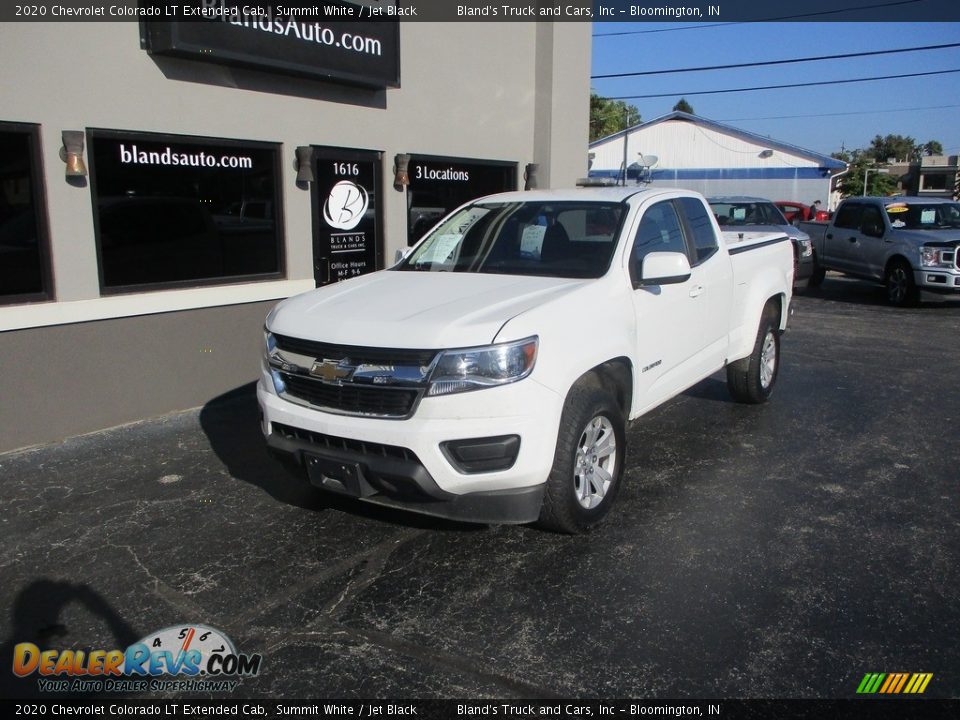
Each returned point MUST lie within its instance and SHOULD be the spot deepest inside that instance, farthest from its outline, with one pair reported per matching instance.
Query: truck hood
(423, 310)
(927, 237)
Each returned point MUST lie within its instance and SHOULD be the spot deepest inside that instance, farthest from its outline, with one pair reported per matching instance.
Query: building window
(24, 255)
(174, 211)
(935, 182)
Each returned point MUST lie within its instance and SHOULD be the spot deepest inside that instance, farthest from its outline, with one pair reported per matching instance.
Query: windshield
(741, 213)
(558, 239)
(924, 216)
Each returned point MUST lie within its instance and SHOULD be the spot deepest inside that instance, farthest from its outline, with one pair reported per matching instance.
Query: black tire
(819, 272)
(901, 289)
(751, 379)
(577, 496)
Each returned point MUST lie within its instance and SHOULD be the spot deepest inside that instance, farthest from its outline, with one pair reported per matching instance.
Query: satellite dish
(649, 160)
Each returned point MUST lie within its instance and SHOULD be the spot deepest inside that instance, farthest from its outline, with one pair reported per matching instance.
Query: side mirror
(401, 255)
(873, 230)
(662, 268)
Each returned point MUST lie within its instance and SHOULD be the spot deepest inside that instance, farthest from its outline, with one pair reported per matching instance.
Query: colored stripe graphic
(894, 683)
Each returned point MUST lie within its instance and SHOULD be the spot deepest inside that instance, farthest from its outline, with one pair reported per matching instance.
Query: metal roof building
(688, 151)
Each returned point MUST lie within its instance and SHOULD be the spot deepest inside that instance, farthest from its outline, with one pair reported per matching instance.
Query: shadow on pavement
(36, 619)
(231, 423)
(852, 291)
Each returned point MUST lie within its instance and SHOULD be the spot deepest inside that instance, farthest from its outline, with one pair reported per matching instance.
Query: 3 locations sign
(301, 41)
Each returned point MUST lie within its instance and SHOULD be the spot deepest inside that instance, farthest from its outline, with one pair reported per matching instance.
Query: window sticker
(896, 208)
(739, 213)
(532, 239)
(928, 216)
(441, 248)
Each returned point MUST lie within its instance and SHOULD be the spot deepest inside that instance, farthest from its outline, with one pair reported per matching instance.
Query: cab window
(848, 216)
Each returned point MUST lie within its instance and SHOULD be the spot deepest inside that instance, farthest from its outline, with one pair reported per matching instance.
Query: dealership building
(164, 184)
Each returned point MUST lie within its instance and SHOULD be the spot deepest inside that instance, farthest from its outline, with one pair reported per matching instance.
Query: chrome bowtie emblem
(331, 370)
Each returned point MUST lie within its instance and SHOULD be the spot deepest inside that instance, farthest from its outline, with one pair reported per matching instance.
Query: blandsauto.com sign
(294, 43)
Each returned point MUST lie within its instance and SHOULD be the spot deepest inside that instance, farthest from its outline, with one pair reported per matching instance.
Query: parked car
(908, 243)
(796, 212)
(488, 375)
(761, 215)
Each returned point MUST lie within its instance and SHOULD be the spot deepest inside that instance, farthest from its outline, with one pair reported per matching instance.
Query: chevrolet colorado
(489, 375)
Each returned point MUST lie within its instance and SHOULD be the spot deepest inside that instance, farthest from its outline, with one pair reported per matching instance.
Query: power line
(770, 19)
(780, 87)
(838, 114)
(777, 62)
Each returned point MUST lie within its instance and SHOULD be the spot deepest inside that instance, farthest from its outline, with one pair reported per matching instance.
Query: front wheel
(751, 379)
(901, 288)
(588, 462)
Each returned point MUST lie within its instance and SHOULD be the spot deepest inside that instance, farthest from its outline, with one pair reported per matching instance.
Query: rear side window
(871, 216)
(848, 216)
(698, 220)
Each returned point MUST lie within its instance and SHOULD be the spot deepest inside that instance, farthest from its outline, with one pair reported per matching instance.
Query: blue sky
(926, 108)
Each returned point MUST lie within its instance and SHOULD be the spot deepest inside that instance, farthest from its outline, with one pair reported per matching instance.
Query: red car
(796, 212)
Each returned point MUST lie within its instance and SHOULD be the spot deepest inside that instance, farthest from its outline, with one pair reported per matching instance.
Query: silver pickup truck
(908, 243)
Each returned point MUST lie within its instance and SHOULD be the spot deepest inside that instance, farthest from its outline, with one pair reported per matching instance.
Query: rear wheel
(588, 462)
(901, 289)
(751, 379)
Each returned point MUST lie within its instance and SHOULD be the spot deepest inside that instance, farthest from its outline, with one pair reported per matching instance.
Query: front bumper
(804, 268)
(403, 463)
(937, 280)
(397, 480)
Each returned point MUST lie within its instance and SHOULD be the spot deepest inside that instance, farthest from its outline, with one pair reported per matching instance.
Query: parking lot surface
(782, 550)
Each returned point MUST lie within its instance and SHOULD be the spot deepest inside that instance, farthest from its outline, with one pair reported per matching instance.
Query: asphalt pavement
(775, 551)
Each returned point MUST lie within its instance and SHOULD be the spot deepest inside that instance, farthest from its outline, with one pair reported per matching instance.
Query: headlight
(270, 344)
(933, 257)
(482, 367)
(807, 250)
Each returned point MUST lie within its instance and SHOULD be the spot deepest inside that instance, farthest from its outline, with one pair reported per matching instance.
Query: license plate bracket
(338, 476)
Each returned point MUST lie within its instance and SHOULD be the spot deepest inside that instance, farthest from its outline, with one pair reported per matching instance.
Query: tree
(610, 116)
(683, 106)
(851, 184)
(897, 147)
(932, 147)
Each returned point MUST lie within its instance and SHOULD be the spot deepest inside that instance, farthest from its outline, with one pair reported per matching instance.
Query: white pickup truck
(489, 375)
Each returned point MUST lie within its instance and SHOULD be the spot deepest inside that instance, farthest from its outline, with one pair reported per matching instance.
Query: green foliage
(897, 147)
(683, 106)
(610, 116)
(851, 184)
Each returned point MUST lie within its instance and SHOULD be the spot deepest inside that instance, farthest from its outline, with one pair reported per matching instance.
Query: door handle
(695, 292)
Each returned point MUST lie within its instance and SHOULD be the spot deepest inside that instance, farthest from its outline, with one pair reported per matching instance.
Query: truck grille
(377, 400)
(354, 354)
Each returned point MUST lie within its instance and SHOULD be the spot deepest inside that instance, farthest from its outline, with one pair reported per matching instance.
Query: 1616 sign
(346, 214)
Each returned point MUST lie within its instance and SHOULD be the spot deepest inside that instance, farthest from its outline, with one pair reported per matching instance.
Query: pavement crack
(375, 559)
(165, 592)
(509, 686)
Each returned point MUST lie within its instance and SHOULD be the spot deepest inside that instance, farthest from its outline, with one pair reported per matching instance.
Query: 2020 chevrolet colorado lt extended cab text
(908, 243)
(488, 376)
